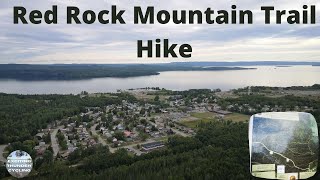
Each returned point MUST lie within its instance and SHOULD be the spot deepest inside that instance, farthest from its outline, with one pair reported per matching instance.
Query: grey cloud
(24, 43)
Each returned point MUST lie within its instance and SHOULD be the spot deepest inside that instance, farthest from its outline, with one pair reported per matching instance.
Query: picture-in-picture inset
(283, 145)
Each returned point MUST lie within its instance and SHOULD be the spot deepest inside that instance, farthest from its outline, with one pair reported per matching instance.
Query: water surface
(175, 80)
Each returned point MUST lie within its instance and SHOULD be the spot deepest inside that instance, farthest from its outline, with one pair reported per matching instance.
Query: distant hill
(248, 63)
(87, 71)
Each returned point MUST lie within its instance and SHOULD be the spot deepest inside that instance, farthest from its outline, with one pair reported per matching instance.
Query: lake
(175, 80)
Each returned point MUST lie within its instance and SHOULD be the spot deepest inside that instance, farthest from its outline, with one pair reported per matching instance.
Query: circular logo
(19, 164)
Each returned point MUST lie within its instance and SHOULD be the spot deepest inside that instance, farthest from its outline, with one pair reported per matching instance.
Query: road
(131, 147)
(134, 150)
(54, 141)
(2, 147)
(174, 130)
(100, 140)
(180, 133)
(94, 132)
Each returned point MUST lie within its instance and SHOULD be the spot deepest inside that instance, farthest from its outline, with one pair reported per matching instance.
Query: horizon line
(177, 62)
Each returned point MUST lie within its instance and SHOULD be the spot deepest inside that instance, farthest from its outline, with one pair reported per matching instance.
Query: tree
(50, 149)
(119, 135)
(142, 111)
(98, 127)
(143, 136)
(47, 138)
(121, 114)
(48, 156)
(110, 117)
(153, 128)
(156, 98)
(95, 137)
(103, 117)
(143, 121)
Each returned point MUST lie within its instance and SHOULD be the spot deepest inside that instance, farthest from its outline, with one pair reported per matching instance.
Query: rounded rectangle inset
(283, 145)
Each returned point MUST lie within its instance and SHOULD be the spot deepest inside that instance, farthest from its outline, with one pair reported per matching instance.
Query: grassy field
(204, 115)
(198, 118)
(236, 117)
(209, 116)
(194, 124)
(144, 96)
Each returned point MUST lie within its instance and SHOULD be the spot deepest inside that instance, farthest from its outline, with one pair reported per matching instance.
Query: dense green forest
(257, 89)
(284, 103)
(72, 71)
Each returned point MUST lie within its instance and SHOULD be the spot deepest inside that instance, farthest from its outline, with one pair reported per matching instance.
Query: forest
(284, 103)
(75, 72)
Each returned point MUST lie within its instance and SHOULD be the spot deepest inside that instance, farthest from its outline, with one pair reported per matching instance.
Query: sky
(97, 43)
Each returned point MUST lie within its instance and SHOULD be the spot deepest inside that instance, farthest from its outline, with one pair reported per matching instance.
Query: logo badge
(19, 164)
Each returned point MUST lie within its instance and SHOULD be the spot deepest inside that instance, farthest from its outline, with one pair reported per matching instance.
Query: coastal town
(144, 126)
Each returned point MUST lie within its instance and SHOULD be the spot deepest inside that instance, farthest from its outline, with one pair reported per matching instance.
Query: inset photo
(283, 145)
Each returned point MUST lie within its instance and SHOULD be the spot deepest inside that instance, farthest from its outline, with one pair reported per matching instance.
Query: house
(152, 146)
(65, 155)
(127, 134)
(40, 150)
(42, 143)
(175, 97)
(108, 135)
(39, 136)
(120, 127)
(74, 142)
(140, 127)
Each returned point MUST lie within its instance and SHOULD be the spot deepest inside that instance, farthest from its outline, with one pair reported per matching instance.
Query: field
(142, 95)
(206, 117)
(236, 117)
(197, 118)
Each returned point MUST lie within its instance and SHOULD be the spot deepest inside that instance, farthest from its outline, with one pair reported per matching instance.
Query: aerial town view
(136, 122)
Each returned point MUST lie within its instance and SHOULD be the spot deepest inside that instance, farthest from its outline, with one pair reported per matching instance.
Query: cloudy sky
(98, 43)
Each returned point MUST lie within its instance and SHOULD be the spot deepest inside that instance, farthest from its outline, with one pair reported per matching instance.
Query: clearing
(197, 118)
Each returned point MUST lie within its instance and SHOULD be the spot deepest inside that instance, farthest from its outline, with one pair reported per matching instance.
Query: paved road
(136, 151)
(94, 132)
(174, 130)
(54, 141)
(2, 147)
(100, 140)
(180, 133)
(132, 148)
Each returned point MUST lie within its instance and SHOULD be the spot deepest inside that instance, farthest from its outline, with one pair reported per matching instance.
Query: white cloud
(98, 43)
